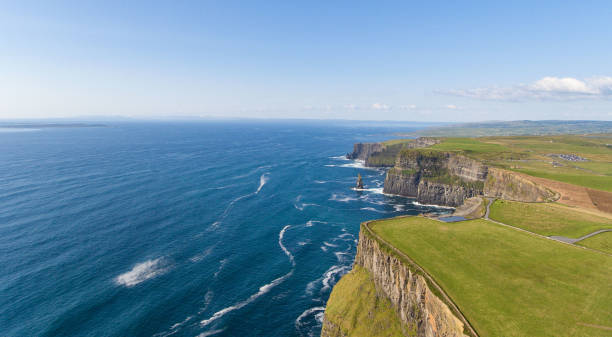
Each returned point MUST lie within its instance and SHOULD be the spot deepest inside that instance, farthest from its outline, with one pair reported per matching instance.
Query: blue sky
(443, 61)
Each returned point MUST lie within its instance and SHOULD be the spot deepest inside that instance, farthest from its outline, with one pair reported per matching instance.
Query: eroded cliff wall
(421, 311)
(435, 177)
(362, 151)
(384, 154)
(510, 185)
(434, 193)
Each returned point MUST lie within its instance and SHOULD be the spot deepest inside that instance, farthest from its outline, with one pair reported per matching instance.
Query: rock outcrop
(359, 184)
(420, 309)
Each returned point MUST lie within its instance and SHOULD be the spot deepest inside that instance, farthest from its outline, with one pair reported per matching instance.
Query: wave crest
(141, 272)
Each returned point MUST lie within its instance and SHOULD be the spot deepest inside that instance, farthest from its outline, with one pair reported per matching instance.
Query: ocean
(181, 229)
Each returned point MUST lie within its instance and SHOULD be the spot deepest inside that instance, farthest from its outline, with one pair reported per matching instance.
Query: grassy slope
(547, 218)
(530, 155)
(506, 282)
(354, 306)
(601, 242)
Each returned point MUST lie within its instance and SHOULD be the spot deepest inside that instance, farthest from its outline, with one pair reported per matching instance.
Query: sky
(451, 61)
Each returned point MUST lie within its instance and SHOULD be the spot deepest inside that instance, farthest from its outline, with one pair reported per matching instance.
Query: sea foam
(141, 272)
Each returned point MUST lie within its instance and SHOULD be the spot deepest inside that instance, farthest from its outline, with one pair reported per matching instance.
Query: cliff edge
(419, 304)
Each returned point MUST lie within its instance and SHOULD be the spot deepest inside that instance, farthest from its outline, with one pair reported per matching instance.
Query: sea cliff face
(362, 151)
(421, 311)
(434, 193)
(384, 154)
(434, 177)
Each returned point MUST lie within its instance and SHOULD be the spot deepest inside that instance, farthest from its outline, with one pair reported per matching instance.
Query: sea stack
(359, 181)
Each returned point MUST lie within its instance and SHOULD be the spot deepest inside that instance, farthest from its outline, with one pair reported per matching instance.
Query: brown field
(597, 202)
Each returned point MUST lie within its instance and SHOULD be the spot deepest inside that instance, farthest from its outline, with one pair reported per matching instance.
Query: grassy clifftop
(510, 283)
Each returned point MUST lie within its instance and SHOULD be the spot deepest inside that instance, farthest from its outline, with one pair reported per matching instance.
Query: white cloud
(451, 106)
(547, 88)
(380, 106)
(407, 107)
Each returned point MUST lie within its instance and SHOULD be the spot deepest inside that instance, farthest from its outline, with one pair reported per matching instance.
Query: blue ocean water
(182, 229)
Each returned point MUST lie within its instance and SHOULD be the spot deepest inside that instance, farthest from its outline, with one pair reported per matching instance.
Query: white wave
(141, 272)
(280, 243)
(340, 256)
(345, 235)
(207, 299)
(331, 274)
(201, 256)
(371, 209)
(211, 332)
(303, 243)
(323, 248)
(373, 190)
(434, 206)
(308, 312)
(329, 244)
(262, 290)
(301, 206)
(336, 197)
(339, 158)
(222, 264)
(398, 208)
(319, 317)
(176, 325)
(310, 223)
(262, 181)
(320, 182)
(311, 285)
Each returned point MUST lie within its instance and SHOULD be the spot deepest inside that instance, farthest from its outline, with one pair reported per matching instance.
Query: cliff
(362, 151)
(434, 177)
(421, 310)
(446, 178)
(515, 186)
(384, 154)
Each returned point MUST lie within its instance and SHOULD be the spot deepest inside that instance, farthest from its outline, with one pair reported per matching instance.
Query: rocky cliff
(362, 151)
(421, 311)
(435, 193)
(434, 177)
(384, 154)
(510, 185)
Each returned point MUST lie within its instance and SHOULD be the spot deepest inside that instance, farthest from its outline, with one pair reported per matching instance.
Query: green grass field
(534, 155)
(602, 242)
(354, 306)
(507, 282)
(469, 145)
(547, 218)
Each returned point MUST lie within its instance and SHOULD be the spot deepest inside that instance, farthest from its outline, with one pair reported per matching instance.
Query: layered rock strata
(434, 177)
